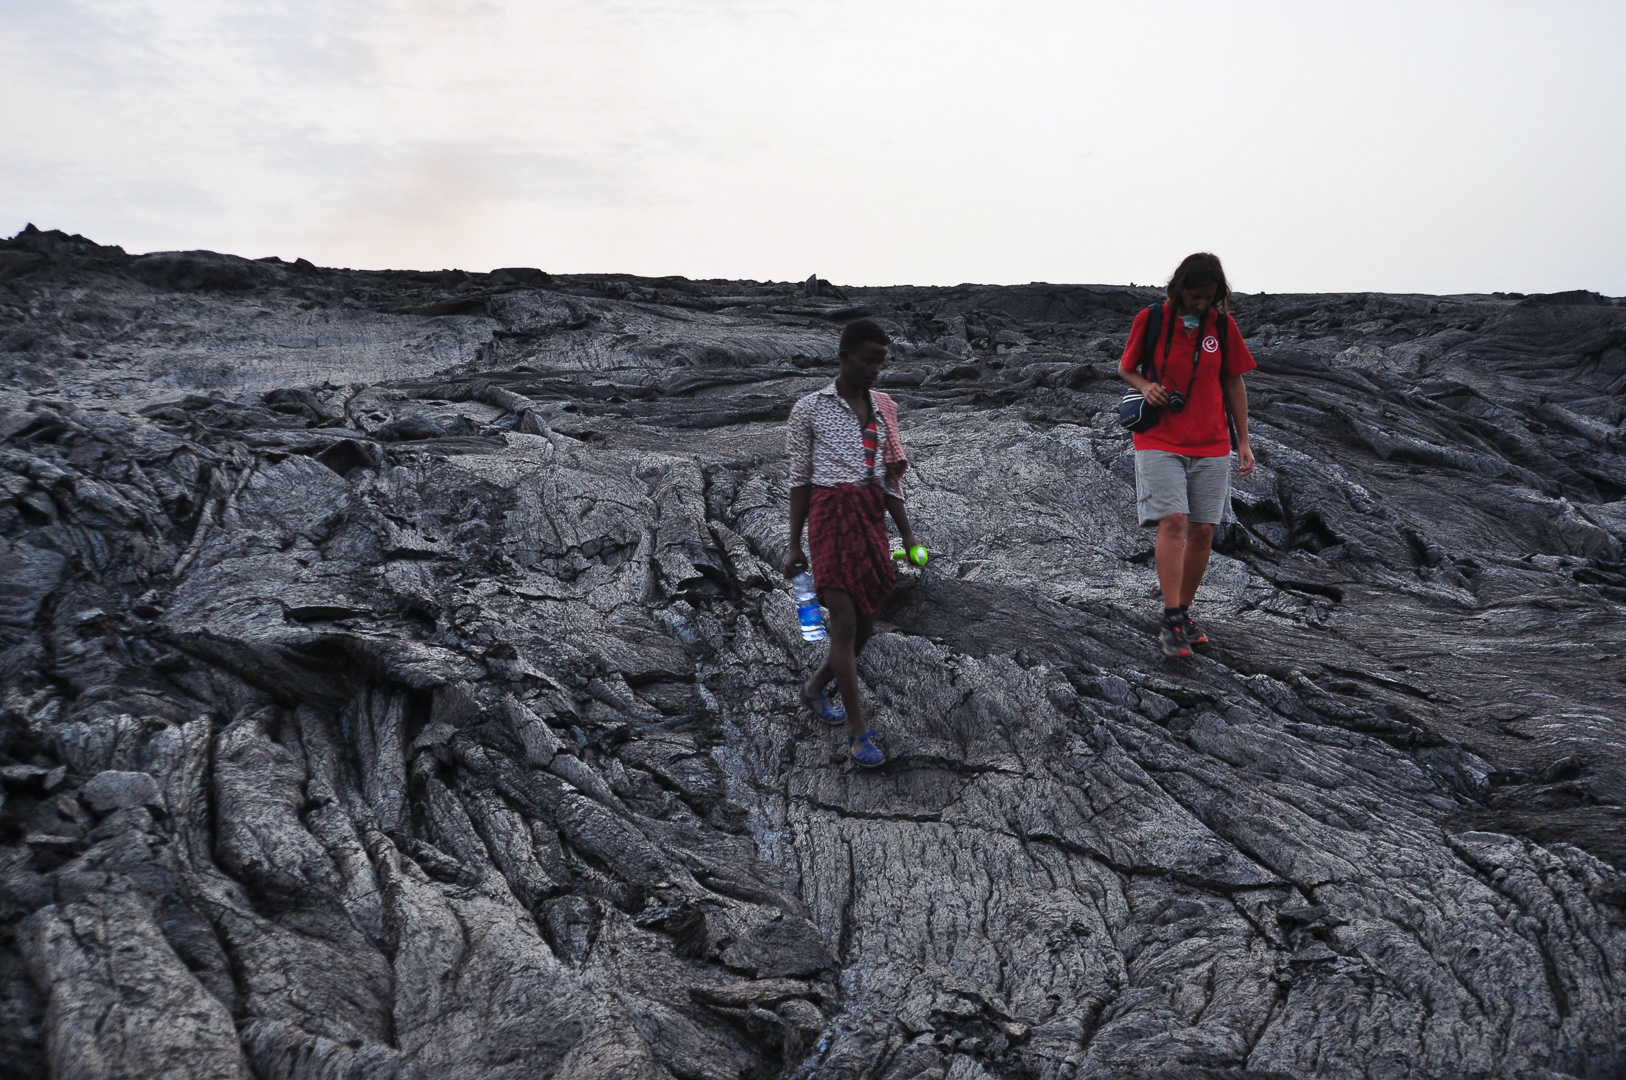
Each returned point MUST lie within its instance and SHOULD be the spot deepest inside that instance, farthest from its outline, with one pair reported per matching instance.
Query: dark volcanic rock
(187, 270)
(396, 683)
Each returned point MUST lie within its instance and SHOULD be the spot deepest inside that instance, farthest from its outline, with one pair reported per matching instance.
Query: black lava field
(396, 683)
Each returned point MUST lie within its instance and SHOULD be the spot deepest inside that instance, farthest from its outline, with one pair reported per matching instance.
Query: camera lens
(1177, 401)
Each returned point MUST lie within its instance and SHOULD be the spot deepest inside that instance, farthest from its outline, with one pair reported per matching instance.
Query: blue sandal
(829, 711)
(864, 751)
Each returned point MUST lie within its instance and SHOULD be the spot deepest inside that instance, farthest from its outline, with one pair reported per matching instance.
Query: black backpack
(1154, 326)
(1134, 411)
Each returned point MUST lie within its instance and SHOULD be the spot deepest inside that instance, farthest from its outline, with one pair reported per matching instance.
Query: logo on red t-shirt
(1210, 343)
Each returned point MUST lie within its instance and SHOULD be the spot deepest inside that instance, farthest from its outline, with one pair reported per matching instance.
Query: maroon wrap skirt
(846, 535)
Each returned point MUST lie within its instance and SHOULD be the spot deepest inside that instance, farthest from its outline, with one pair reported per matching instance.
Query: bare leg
(1199, 542)
(821, 678)
(848, 634)
(1171, 558)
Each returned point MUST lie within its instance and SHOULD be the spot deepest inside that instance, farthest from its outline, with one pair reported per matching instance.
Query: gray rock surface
(396, 683)
(115, 790)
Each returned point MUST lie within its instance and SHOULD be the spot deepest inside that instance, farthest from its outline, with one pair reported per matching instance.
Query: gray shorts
(1165, 483)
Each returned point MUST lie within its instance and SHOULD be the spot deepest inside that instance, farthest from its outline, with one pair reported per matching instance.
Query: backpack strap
(1222, 331)
(1148, 346)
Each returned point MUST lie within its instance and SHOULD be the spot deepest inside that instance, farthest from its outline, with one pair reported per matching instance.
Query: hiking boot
(1194, 637)
(1173, 639)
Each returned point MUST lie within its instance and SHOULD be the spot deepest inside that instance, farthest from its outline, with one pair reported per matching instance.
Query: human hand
(795, 561)
(914, 552)
(1244, 459)
(1156, 393)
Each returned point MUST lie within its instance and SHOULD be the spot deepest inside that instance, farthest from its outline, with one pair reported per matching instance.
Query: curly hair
(860, 333)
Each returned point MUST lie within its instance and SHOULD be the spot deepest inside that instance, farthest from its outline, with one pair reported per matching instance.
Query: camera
(1176, 402)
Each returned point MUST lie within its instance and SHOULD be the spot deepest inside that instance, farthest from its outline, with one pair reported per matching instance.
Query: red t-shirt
(1199, 430)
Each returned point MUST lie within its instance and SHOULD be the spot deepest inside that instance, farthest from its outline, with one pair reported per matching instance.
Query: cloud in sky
(1437, 147)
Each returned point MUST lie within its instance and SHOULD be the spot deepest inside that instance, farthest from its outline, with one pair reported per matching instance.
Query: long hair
(1198, 272)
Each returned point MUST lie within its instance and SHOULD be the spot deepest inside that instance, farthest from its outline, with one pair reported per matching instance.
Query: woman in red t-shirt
(1183, 464)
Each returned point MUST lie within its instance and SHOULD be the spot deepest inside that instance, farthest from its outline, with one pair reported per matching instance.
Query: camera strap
(1196, 351)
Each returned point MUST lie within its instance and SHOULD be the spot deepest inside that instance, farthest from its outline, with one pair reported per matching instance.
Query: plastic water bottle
(807, 607)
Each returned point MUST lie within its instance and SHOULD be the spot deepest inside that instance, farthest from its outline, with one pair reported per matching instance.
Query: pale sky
(1436, 147)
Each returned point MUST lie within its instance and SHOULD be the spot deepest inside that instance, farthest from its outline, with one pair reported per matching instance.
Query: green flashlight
(917, 555)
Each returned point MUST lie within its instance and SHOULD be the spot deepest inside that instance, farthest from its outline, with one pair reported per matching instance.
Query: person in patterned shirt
(846, 475)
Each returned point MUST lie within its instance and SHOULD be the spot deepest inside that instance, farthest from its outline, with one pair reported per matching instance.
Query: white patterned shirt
(826, 446)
